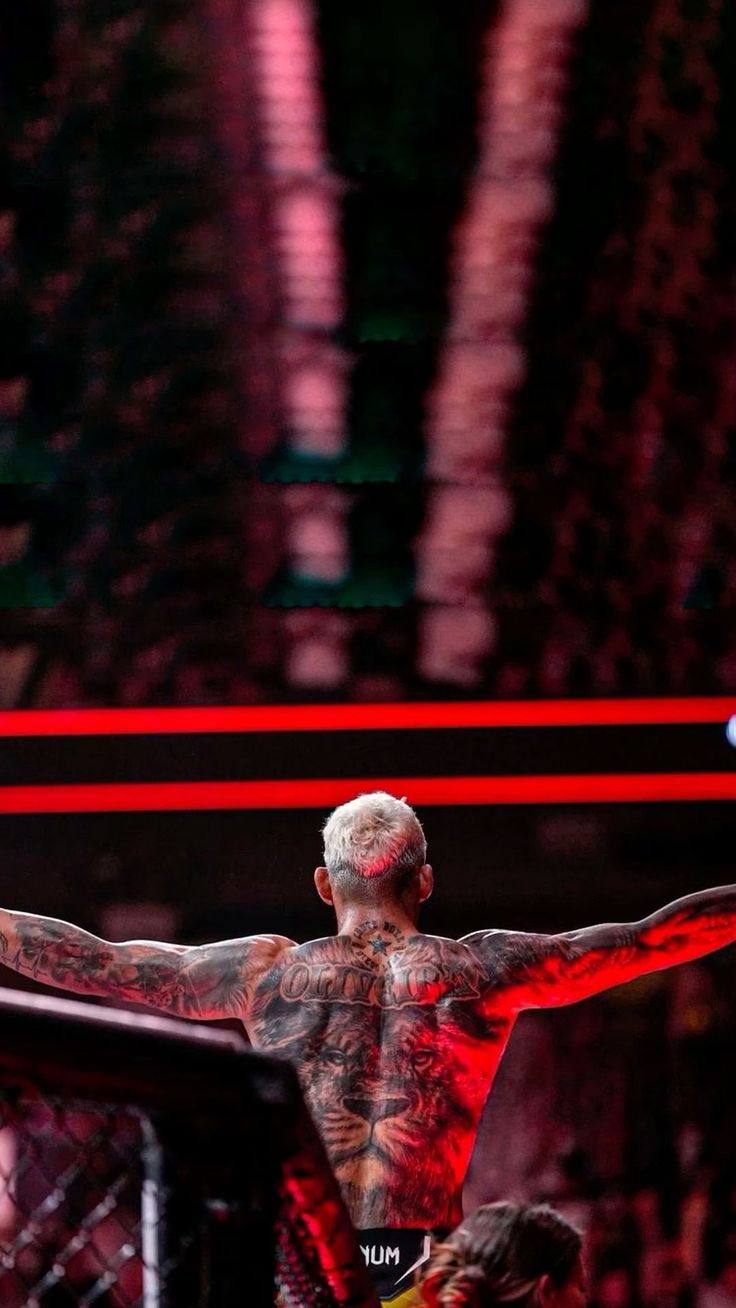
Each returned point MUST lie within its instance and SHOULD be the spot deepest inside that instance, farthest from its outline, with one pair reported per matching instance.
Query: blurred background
(366, 351)
(376, 352)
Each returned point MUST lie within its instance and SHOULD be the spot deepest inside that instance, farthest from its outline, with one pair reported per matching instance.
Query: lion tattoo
(395, 1070)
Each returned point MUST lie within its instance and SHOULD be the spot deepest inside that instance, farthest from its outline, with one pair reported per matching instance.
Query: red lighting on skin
(171, 796)
(367, 717)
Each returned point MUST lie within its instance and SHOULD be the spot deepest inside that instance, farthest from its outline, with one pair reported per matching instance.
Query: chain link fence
(146, 1163)
(71, 1217)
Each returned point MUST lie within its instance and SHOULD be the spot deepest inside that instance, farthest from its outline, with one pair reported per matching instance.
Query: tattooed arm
(541, 971)
(198, 981)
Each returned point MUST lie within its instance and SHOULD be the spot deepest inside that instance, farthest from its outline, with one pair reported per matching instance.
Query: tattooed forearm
(63, 955)
(695, 925)
(546, 970)
(203, 981)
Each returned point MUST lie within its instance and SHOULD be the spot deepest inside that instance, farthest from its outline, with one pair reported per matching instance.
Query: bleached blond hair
(373, 835)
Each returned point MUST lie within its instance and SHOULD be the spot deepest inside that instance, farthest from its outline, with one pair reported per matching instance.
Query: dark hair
(497, 1256)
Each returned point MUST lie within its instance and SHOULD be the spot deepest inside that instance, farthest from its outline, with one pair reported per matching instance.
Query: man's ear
(426, 882)
(322, 882)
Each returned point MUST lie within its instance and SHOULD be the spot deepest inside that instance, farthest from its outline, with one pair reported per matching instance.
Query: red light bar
(368, 717)
(171, 796)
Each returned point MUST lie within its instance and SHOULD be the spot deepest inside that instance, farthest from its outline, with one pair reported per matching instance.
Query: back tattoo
(396, 1048)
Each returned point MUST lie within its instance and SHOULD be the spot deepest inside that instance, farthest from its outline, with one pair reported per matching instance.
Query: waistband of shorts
(394, 1254)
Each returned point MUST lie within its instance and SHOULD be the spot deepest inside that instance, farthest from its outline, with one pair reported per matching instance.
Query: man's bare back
(396, 1035)
(397, 1038)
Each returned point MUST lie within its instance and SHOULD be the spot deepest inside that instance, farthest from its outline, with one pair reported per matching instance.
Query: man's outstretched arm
(540, 971)
(197, 981)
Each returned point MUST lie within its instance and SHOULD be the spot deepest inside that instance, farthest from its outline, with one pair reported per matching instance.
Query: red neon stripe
(367, 717)
(170, 796)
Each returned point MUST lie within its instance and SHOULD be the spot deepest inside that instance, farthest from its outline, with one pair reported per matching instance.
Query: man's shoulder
(262, 951)
(505, 948)
(273, 942)
(319, 945)
(286, 953)
(498, 936)
(444, 945)
(488, 936)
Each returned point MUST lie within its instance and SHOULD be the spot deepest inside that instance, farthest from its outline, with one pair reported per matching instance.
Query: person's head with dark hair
(524, 1255)
(375, 857)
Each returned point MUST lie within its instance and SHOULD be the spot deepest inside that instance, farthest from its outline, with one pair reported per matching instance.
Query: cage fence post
(151, 1215)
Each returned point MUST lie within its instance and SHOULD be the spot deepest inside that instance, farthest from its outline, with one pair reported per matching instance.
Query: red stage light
(369, 717)
(183, 796)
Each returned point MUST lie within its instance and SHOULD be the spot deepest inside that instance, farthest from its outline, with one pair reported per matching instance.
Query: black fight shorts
(393, 1257)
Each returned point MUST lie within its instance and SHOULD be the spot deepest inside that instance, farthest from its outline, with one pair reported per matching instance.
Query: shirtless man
(397, 1035)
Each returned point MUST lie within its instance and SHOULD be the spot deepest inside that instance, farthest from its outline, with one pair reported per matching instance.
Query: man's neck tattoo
(375, 939)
